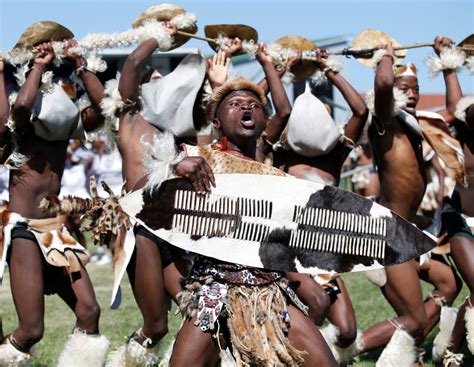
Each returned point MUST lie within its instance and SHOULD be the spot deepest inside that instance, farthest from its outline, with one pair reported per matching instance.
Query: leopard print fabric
(222, 162)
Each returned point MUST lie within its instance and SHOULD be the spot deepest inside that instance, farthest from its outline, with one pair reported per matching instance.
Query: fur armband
(377, 58)
(461, 107)
(400, 100)
(112, 102)
(449, 58)
(333, 64)
(95, 64)
(248, 46)
(161, 159)
(280, 56)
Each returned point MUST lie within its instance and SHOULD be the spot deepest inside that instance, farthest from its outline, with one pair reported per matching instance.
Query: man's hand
(262, 57)
(218, 68)
(293, 61)
(171, 28)
(2, 65)
(46, 54)
(440, 43)
(233, 47)
(321, 58)
(196, 170)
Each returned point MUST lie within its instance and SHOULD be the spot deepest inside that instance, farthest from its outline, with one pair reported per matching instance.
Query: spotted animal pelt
(102, 216)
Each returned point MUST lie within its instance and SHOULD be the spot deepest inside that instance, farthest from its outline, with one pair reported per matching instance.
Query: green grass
(369, 305)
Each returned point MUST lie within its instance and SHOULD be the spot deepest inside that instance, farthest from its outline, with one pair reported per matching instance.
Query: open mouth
(246, 119)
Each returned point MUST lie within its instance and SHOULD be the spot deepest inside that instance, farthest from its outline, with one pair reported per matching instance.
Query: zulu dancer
(43, 258)
(396, 141)
(237, 111)
(152, 265)
(457, 216)
(321, 160)
(4, 112)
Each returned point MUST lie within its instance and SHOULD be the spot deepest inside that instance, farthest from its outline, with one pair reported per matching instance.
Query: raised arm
(4, 105)
(27, 95)
(130, 78)
(92, 117)
(453, 89)
(282, 105)
(355, 125)
(383, 87)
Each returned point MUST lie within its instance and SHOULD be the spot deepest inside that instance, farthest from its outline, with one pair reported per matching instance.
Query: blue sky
(406, 21)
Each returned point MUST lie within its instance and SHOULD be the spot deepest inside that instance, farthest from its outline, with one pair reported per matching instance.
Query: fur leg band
(84, 350)
(134, 354)
(11, 356)
(446, 326)
(399, 352)
(469, 318)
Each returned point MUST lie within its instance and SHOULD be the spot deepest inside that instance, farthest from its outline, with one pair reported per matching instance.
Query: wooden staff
(191, 35)
(370, 51)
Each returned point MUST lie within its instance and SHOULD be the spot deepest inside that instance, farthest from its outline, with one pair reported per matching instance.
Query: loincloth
(252, 302)
(58, 247)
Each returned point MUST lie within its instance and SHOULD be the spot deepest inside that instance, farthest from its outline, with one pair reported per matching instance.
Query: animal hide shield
(278, 223)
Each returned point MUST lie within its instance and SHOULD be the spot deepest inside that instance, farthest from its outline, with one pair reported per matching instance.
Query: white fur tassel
(95, 63)
(184, 21)
(250, 47)
(83, 350)
(95, 41)
(449, 58)
(112, 101)
(446, 326)
(399, 352)
(333, 64)
(400, 100)
(470, 64)
(469, 318)
(160, 159)
(132, 354)
(279, 54)
(461, 107)
(10, 356)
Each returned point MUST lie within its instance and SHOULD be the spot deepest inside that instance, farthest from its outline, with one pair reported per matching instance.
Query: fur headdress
(236, 84)
(407, 69)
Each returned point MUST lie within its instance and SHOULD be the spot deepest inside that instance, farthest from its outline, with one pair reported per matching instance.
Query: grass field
(368, 302)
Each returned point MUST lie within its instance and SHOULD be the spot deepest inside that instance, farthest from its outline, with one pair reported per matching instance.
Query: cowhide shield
(278, 223)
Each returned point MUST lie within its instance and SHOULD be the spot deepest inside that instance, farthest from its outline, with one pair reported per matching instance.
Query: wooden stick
(369, 51)
(191, 35)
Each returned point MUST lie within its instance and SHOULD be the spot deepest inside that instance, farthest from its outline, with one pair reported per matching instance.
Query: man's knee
(156, 329)
(319, 304)
(88, 312)
(347, 333)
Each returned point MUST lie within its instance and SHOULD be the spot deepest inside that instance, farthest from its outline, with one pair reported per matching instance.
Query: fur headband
(236, 84)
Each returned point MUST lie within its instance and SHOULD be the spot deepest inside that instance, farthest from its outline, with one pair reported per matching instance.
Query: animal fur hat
(407, 69)
(236, 84)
